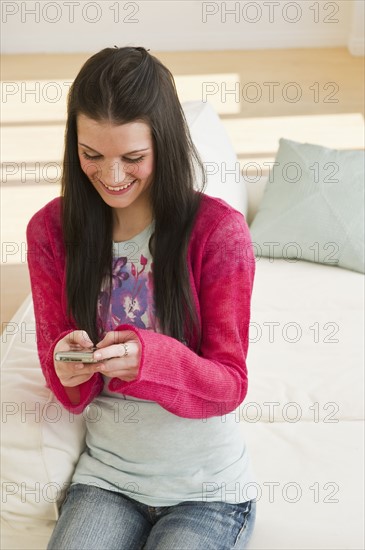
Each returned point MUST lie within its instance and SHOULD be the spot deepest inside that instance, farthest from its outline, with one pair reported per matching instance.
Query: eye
(95, 157)
(134, 160)
(90, 157)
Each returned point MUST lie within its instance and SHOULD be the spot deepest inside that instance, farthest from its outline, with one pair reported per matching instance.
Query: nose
(117, 172)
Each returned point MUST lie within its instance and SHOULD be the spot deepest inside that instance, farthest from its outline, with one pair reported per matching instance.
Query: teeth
(119, 188)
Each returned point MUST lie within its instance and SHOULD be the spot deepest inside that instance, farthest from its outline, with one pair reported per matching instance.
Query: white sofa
(302, 418)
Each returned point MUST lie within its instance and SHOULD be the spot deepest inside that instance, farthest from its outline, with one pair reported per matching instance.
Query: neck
(127, 224)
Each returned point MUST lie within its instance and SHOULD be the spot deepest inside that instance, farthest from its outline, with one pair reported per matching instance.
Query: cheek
(91, 169)
(146, 170)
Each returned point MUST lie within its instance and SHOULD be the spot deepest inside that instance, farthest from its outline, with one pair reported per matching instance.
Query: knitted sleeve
(46, 270)
(213, 382)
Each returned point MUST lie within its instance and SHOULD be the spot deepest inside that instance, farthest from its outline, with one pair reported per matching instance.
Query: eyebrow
(129, 153)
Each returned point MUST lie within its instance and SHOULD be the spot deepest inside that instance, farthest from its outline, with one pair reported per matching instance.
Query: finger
(125, 375)
(116, 337)
(81, 338)
(117, 363)
(114, 369)
(109, 339)
(86, 368)
(115, 351)
(77, 366)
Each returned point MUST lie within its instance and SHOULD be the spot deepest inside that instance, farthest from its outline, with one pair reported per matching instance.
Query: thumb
(81, 338)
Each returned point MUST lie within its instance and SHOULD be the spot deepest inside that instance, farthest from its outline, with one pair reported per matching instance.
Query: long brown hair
(122, 85)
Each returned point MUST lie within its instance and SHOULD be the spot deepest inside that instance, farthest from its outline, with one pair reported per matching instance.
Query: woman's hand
(119, 354)
(73, 374)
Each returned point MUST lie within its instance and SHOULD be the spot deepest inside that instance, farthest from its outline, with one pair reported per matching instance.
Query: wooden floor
(307, 94)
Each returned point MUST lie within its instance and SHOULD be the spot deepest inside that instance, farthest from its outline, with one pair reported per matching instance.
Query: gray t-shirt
(136, 446)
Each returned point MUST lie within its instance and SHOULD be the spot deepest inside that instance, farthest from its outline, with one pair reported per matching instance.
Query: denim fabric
(93, 518)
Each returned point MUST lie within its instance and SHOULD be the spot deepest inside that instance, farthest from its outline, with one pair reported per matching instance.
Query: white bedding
(313, 439)
(309, 396)
(322, 307)
(321, 465)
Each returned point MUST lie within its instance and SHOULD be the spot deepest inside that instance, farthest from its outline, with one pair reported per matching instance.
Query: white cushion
(306, 343)
(224, 179)
(309, 485)
(41, 441)
(313, 207)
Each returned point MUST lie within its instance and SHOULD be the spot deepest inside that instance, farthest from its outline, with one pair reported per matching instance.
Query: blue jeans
(93, 518)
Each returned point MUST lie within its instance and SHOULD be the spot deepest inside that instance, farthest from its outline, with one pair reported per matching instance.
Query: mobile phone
(76, 356)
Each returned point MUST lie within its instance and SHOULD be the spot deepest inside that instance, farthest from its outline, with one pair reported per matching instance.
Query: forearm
(182, 382)
(52, 323)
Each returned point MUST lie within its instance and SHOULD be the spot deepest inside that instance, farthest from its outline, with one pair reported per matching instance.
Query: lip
(115, 193)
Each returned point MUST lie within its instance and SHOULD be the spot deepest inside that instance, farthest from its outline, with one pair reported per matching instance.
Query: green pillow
(313, 207)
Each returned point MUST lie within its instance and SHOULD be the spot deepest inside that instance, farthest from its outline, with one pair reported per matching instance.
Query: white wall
(85, 26)
(356, 41)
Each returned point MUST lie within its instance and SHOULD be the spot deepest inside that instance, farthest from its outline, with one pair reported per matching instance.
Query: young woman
(135, 260)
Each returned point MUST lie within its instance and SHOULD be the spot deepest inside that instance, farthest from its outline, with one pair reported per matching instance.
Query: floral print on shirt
(131, 299)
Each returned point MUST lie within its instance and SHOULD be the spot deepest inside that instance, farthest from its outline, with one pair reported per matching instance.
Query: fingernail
(97, 355)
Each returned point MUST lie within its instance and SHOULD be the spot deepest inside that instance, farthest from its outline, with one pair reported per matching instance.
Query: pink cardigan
(222, 267)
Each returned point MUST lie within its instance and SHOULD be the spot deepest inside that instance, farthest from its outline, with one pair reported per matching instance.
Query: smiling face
(119, 162)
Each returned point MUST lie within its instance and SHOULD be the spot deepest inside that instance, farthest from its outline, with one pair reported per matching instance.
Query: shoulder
(215, 216)
(49, 214)
(220, 243)
(45, 225)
